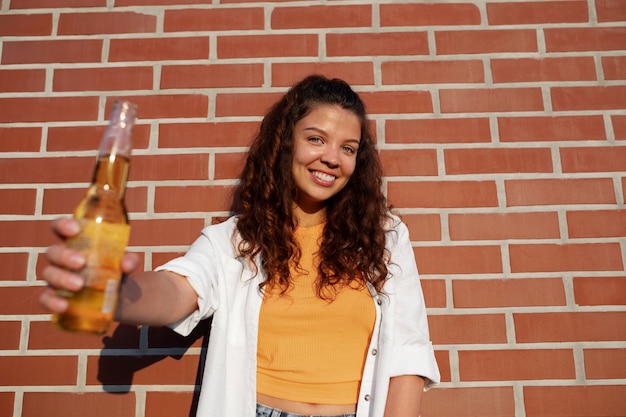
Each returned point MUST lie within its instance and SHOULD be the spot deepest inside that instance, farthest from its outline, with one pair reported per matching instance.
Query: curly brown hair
(353, 241)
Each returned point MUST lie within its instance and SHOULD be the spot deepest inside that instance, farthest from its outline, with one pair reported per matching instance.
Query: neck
(312, 218)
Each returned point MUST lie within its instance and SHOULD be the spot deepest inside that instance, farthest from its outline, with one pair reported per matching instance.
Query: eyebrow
(322, 131)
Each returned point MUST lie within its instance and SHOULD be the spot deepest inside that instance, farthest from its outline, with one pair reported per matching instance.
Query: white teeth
(324, 177)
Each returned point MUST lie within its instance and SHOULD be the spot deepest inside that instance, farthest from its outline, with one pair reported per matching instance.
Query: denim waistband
(265, 411)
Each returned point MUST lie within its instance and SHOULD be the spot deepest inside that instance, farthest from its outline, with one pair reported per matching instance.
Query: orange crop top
(312, 350)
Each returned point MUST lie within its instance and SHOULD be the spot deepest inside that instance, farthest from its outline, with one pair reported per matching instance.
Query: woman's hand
(61, 274)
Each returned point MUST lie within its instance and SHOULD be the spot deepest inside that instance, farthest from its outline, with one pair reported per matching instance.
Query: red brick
(467, 329)
(474, 401)
(397, 102)
(18, 201)
(212, 76)
(379, 43)
(588, 98)
(191, 20)
(544, 69)
(432, 72)
(45, 335)
(7, 399)
(485, 41)
(409, 162)
(192, 199)
(191, 135)
(585, 39)
(355, 73)
(229, 165)
(443, 361)
(574, 401)
(21, 300)
(517, 364)
(164, 337)
(250, 104)
(440, 130)
(27, 370)
(143, 369)
(503, 226)
(167, 105)
(459, 259)
(102, 79)
(26, 24)
(52, 51)
(551, 129)
(40, 4)
(539, 192)
(423, 226)
(49, 170)
(596, 223)
(161, 258)
(266, 46)
(78, 404)
(605, 363)
(155, 2)
(518, 292)
(619, 126)
(168, 404)
(47, 109)
(443, 194)
(321, 17)
(429, 14)
(10, 340)
(434, 293)
(570, 327)
(25, 233)
(497, 160)
(490, 100)
(566, 257)
(170, 167)
(165, 232)
(20, 139)
(64, 200)
(593, 159)
(598, 291)
(614, 67)
(29, 80)
(537, 12)
(87, 138)
(159, 49)
(610, 10)
(14, 266)
(106, 23)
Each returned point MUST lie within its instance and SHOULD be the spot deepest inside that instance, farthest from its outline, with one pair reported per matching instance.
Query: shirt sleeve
(413, 353)
(200, 266)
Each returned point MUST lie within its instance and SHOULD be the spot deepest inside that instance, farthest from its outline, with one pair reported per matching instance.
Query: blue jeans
(264, 411)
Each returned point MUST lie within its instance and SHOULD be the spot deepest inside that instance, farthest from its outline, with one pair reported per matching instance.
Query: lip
(323, 178)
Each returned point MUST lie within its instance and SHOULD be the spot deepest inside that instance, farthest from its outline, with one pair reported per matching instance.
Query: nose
(330, 156)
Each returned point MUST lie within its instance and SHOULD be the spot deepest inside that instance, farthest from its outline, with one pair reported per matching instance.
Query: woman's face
(326, 142)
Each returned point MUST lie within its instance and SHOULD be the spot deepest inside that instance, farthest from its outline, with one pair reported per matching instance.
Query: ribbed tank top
(309, 349)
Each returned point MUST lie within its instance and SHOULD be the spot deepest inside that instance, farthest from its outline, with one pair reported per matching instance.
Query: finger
(130, 262)
(62, 279)
(65, 227)
(64, 257)
(52, 302)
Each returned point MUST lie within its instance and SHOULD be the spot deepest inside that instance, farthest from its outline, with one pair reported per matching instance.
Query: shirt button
(374, 351)
(367, 397)
(379, 301)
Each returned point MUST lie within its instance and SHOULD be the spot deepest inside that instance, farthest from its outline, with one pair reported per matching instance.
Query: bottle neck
(110, 176)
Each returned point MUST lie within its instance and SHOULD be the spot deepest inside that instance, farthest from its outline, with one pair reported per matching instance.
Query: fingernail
(73, 227)
(75, 282)
(77, 260)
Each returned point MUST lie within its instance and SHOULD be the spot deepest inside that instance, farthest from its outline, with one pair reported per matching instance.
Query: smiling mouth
(323, 176)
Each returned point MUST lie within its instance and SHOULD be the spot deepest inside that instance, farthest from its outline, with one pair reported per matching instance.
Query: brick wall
(501, 124)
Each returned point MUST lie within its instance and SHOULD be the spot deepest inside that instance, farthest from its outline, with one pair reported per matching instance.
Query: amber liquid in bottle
(104, 235)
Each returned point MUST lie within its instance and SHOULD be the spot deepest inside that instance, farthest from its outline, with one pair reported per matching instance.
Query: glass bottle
(104, 230)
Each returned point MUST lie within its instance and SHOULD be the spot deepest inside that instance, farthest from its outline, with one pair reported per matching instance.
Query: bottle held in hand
(104, 230)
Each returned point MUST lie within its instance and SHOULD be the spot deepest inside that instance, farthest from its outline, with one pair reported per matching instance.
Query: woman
(315, 297)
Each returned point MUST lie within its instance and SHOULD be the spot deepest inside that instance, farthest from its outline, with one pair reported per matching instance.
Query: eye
(349, 150)
(315, 139)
